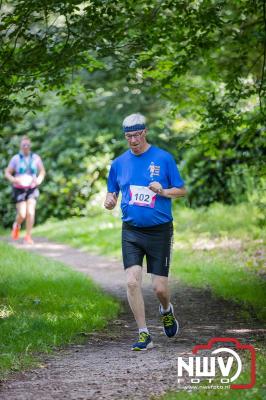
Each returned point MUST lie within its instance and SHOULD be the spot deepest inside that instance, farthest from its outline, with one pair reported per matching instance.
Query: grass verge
(43, 305)
(223, 272)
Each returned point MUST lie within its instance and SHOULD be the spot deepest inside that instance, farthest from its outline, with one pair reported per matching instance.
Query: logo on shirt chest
(154, 169)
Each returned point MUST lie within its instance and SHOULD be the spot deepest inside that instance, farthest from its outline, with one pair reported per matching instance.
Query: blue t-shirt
(131, 174)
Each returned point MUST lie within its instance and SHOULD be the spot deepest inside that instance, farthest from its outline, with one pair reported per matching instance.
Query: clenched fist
(110, 201)
(156, 187)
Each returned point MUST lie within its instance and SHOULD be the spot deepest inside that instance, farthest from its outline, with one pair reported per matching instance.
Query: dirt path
(105, 368)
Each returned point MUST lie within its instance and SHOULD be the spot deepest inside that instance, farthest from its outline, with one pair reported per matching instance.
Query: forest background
(72, 70)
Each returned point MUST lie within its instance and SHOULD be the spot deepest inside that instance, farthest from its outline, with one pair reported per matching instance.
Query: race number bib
(26, 180)
(142, 196)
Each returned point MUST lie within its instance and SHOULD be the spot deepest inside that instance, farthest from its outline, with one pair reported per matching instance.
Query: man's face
(136, 141)
(25, 146)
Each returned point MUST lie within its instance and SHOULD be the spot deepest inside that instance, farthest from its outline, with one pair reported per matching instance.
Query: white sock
(143, 330)
(163, 311)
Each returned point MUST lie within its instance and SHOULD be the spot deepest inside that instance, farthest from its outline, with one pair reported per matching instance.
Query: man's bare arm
(171, 193)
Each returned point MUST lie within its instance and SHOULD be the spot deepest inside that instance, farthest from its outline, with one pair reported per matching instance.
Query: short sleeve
(112, 184)
(175, 179)
(13, 163)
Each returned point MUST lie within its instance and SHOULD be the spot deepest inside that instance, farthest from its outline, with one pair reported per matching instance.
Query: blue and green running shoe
(170, 324)
(144, 342)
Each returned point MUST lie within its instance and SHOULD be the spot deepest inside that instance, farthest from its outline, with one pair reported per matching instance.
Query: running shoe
(144, 342)
(15, 231)
(28, 239)
(170, 324)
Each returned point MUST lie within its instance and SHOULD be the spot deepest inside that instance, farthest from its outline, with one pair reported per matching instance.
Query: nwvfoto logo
(215, 365)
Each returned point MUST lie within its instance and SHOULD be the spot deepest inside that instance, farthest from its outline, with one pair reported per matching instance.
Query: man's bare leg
(134, 294)
(161, 289)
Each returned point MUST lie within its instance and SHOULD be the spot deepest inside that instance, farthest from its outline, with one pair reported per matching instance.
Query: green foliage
(35, 313)
(200, 62)
(69, 155)
(43, 42)
(225, 164)
(76, 139)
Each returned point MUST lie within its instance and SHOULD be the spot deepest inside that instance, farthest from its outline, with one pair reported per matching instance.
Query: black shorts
(153, 242)
(20, 195)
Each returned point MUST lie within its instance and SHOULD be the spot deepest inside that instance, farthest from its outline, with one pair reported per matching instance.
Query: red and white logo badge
(222, 361)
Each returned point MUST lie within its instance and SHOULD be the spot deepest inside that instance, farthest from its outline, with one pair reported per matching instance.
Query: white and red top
(26, 169)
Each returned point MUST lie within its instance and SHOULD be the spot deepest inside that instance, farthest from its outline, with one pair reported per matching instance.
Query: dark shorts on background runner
(25, 194)
(155, 242)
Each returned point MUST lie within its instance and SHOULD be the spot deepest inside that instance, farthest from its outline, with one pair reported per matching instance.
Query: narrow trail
(104, 367)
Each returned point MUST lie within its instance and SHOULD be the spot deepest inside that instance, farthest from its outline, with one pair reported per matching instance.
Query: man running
(148, 179)
(26, 172)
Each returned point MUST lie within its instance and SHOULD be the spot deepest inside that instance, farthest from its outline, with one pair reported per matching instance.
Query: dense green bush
(211, 180)
(75, 156)
(226, 162)
(77, 140)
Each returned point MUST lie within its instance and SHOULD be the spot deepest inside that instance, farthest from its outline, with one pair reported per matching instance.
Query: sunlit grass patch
(99, 234)
(223, 272)
(218, 220)
(44, 304)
